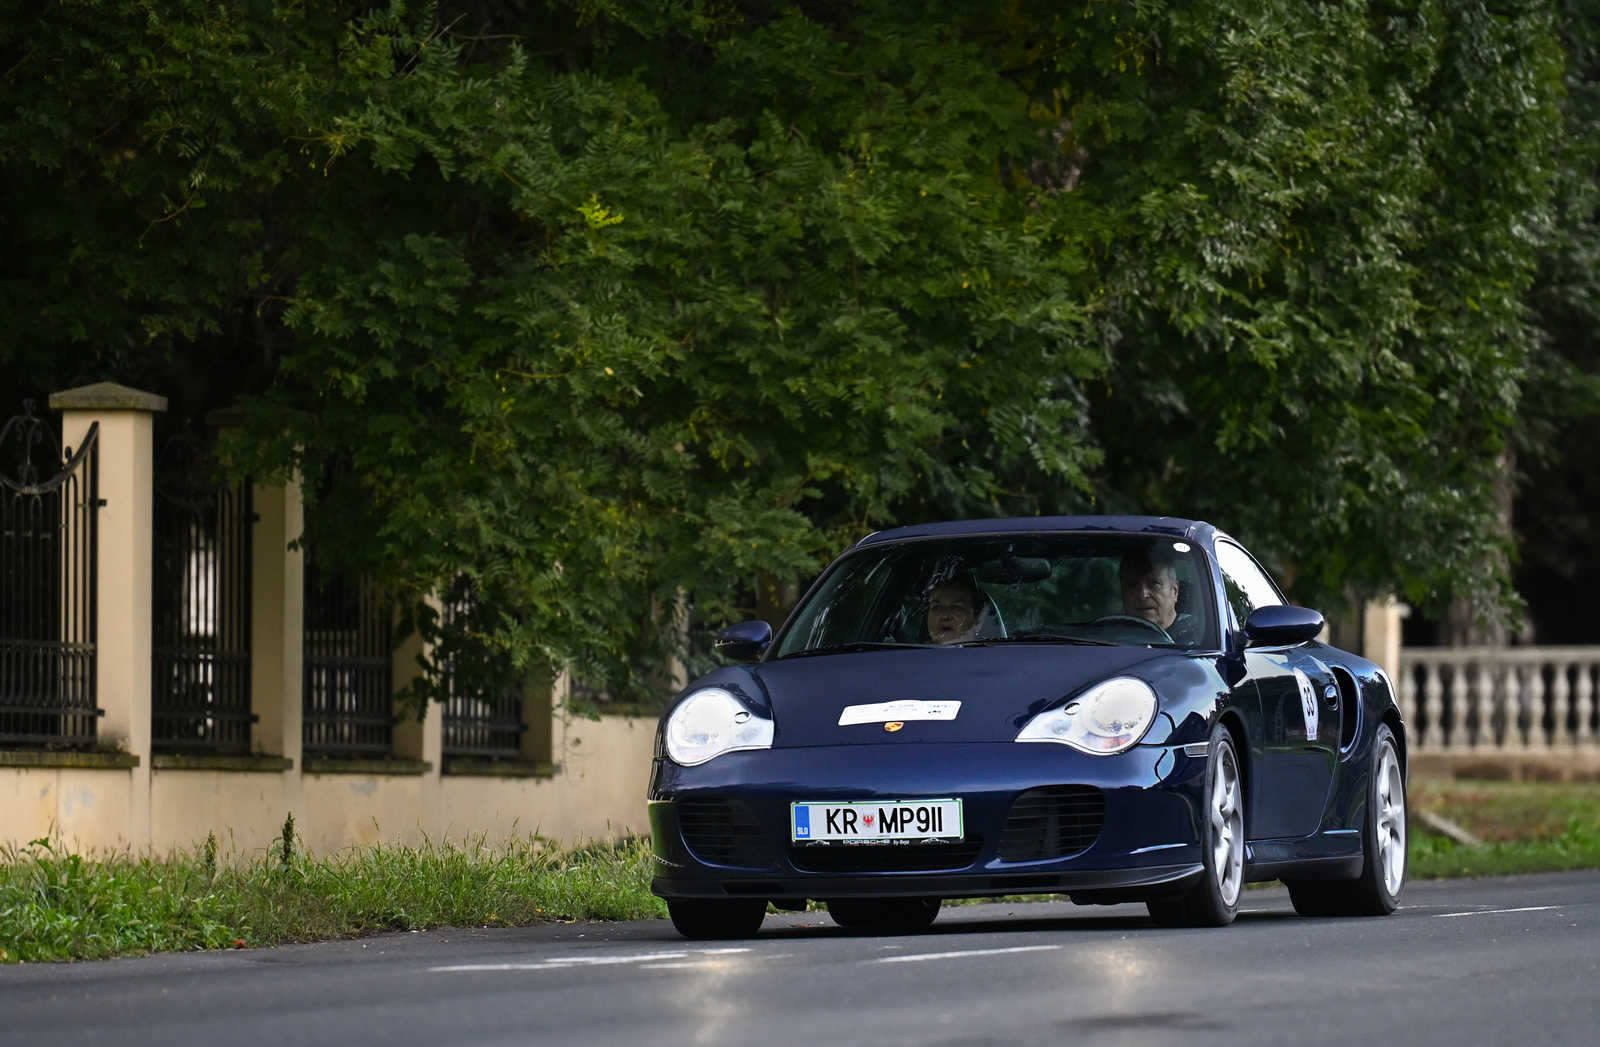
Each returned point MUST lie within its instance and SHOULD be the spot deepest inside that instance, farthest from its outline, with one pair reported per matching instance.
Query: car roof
(1165, 525)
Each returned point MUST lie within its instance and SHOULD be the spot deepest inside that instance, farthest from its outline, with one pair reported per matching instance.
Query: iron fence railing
(349, 669)
(482, 717)
(48, 561)
(200, 614)
(484, 726)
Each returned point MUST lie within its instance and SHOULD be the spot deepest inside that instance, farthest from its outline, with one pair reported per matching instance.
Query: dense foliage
(616, 307)
(1559, 420)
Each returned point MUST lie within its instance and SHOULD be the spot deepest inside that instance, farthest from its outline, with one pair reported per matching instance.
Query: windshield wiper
(1039, 638)
(862, 645)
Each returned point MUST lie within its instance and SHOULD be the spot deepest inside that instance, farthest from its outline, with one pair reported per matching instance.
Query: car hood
(999, 688)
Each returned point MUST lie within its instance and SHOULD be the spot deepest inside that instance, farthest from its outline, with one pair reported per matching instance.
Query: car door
(1295, 748)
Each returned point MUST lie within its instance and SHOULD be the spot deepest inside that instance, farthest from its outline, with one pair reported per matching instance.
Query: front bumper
(1148, 845)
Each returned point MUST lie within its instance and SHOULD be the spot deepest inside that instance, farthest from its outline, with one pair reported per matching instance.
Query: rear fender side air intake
(1349, 706)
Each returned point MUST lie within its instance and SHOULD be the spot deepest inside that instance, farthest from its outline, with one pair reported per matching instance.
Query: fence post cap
(106, 396)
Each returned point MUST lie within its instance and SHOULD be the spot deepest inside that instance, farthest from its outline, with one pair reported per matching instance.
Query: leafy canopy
(613, 306)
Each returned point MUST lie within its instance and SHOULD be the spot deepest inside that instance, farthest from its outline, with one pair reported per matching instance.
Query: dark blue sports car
(1113, 708)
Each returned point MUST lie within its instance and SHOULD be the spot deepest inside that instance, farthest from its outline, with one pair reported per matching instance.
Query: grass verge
(56, 906)
(1525, 826)
(1433, 857)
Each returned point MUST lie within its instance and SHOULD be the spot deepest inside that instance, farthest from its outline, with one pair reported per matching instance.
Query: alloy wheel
(1227, 828)
(1391, 821)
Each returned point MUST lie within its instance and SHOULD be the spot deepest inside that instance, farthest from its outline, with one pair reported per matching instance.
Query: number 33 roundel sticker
(1308, 703)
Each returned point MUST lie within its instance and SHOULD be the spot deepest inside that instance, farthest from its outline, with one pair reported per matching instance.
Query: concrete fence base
(594, 792)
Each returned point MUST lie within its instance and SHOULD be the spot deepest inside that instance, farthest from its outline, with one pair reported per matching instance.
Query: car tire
(1214, 900)
(884, 914)
(714, 918)
(1376, 892)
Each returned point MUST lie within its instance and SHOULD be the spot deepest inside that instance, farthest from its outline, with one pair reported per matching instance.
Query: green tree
(1559, 419)
(608, 306)
(1336, 210)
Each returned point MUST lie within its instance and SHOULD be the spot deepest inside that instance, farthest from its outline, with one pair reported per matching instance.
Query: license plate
(876, 821)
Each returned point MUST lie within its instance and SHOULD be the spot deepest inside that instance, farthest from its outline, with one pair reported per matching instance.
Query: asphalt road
(1502, 961)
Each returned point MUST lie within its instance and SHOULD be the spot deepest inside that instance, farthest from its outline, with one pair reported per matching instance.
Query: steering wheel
(1132, 619)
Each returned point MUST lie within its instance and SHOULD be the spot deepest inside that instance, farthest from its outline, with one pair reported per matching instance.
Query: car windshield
(1090, 589)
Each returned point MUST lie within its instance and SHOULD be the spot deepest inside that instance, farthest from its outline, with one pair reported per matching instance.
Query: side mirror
(1282, 625)
(745, 642)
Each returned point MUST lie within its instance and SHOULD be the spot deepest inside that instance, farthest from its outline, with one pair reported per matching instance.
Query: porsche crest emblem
(894, 725)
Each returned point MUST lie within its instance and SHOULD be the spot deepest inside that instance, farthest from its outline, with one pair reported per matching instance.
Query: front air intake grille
(720, 831)
(872, 857)
(1052, 822)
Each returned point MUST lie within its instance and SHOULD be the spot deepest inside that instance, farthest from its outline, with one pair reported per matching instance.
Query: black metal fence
(482, 719)
(48, 549)
(200, 614)
(485, 726)
(349, 669)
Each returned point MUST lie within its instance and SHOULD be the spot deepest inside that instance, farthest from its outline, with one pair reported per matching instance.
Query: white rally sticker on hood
(884, 712)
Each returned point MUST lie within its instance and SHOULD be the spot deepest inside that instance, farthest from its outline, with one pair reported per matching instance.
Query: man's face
(1149, 592)
(951, 616)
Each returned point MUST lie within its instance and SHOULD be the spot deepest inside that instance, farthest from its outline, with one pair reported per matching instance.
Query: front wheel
(1376, 892)
(884, 914)
(1214, 901)
(715, 918)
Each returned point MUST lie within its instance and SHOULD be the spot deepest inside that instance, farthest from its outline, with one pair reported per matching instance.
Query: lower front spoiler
(1087, 887)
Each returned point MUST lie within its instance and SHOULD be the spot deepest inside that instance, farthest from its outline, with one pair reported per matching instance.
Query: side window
(1247, 585)
(840, 612)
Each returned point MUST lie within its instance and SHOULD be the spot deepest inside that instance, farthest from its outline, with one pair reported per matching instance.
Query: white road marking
(915, 957)
(559, 962)
(563, 961)
(1492, 912)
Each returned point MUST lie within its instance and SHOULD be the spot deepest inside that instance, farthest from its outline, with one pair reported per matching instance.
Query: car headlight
(711, 722)
(1108, 718)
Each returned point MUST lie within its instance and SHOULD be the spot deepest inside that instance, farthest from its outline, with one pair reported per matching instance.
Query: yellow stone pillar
(1380, 633)
(539, 716)
(421, 740)
(123, 568)
(277, 631)
(414, 739)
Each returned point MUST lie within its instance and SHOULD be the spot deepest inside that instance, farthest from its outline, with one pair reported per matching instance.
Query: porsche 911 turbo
(1112, 708)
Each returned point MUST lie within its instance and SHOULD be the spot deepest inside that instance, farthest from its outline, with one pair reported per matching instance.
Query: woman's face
(951, 616)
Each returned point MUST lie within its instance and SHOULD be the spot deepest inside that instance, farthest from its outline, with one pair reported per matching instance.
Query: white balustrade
(1501, 699)
(1561, 710)
(1587, 735)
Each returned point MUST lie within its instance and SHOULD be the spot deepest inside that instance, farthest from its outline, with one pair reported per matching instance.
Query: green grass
(56, 906)
(1507, 812)
(1433, 857)
(60, 906)
(1525, 826)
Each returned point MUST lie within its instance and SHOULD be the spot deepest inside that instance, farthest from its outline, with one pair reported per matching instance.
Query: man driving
(1149, 580)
